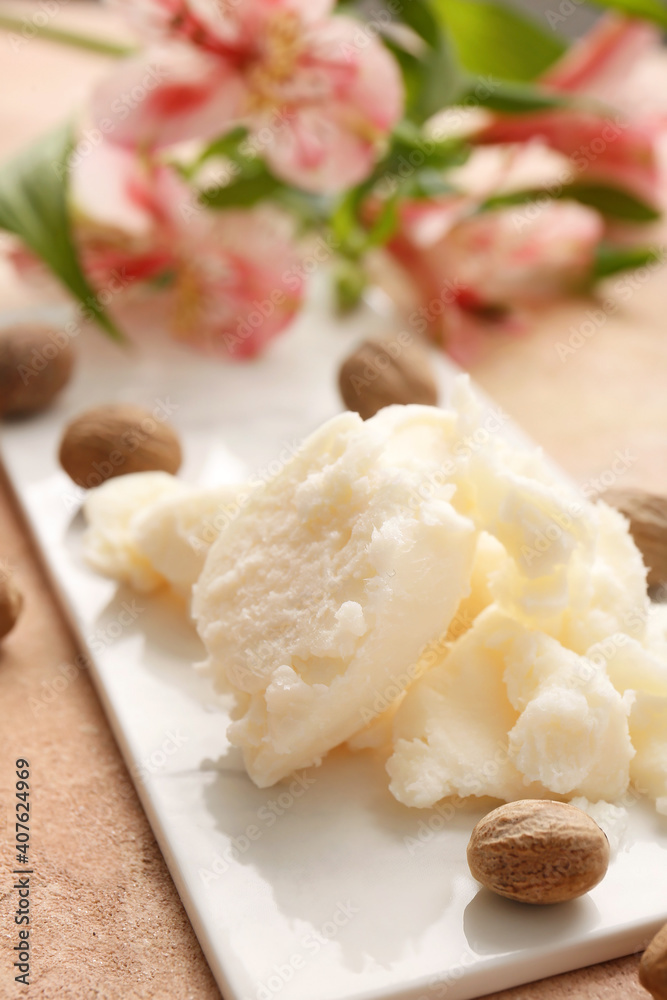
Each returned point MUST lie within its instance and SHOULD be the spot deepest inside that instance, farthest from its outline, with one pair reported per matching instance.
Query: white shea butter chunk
(176, 533)
(149, 528)
(648, 727)
(600, 589)
(109, 544)
(572, 734)
(450, 731)
(510, 713)
(490, 559)
(317, 599)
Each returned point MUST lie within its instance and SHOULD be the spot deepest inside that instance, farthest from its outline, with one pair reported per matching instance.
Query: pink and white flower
(234, 275)
(318, 94)
(600, 63)
(239, 282)
(476, 271)
(602, 145)
(606, 149)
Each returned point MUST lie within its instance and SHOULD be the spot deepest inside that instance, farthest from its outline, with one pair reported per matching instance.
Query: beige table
(108, 921)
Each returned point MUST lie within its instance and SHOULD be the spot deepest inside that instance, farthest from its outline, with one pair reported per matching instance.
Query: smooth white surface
(337, 892)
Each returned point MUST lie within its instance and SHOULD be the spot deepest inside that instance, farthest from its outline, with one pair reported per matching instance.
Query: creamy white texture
(417, 584)
(149, 529)
(319, 598)
(109, 543)
(176, 533)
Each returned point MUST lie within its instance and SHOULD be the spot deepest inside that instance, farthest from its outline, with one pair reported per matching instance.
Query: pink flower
(603, 146)
(599, 63)
(318, 94)
(239, 283)
(120, 220)
(235, 275)
(474, 270)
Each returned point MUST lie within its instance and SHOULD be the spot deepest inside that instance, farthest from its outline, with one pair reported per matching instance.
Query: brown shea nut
(379, 373)
(36, 363)
(115, 440)
(653, 966)
(11, 603)
(538, 851)
(647, 514)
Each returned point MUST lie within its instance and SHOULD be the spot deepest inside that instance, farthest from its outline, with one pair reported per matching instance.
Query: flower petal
(599, 63)
(606, 149)
(245, 284)
(343, 99)
(168, 95)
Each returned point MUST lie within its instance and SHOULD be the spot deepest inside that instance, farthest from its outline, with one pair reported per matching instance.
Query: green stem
(27, 29)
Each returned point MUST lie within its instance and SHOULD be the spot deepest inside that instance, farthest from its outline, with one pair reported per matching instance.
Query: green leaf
(611, 201)
(431, 73)
(225, 145)
(428, 184)
(513, 98)
(648, 10)
(385, 225)
(410, 147)
(350, 283)
(33, 206)
(610, 259)
(608, 200)
(74, 39)
(492, 39)
(439, 79)
(418, 16)
(345, 224)
(243, 192)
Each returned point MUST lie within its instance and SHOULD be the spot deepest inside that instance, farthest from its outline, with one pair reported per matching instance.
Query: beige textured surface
(108, 921)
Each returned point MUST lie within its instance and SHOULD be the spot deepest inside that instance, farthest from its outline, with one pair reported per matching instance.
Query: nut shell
(116, 440)
(653, 966)
(36, 363)
(11, 603)
(647, 514)
(538, 851)
(379, 373)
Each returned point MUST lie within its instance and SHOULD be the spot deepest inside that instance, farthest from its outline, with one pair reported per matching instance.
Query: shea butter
(420, 584)
(319, 597)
